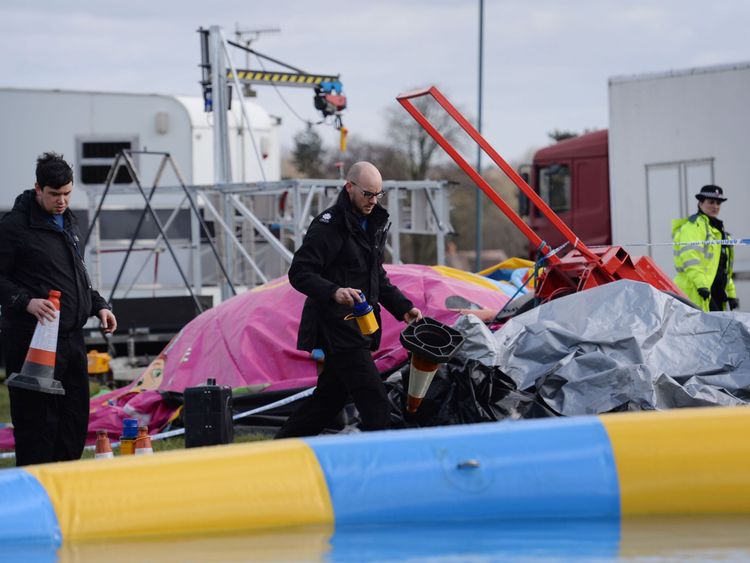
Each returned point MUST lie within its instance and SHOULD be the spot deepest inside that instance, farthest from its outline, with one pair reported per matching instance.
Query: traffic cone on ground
(103, 447)
(38, 371)
(431, 343)
(143, 442)
(421, 372)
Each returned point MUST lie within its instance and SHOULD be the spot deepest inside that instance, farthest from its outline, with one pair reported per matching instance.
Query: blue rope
(538, 264)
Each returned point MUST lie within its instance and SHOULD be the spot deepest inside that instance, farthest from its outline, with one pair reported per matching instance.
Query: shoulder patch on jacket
(328, 217)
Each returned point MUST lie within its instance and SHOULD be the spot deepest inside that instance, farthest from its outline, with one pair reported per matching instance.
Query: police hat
(710, 192)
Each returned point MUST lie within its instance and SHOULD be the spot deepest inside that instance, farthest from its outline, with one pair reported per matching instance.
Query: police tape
(723, 242)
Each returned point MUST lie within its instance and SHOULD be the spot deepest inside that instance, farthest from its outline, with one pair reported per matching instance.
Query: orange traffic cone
(431, 343)
(103, 447)
(143, 442)
(421, 372)
(38, 371)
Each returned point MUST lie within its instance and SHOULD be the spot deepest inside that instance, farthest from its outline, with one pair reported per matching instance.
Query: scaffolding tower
(239, 235)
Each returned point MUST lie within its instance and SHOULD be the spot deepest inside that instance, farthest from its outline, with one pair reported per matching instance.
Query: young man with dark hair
(41, 249)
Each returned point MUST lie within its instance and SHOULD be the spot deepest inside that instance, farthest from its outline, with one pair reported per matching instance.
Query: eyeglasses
(368, 195)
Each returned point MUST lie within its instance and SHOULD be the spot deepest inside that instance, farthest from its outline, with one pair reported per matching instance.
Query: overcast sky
(546, 62)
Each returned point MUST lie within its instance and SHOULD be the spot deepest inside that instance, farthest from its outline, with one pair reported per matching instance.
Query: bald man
(341, 255)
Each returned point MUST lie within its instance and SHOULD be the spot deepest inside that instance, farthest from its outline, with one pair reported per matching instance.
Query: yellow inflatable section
(682, 461)
(242, 487)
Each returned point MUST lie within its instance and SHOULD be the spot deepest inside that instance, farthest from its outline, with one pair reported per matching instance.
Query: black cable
(286, 103)
(262, 56)
(289, 107)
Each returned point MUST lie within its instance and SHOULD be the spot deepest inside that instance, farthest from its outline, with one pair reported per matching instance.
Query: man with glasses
(341, 255)
(704, 272)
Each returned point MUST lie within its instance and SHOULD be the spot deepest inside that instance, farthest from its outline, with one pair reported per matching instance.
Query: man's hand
(412, 315)
(42, 309)
(347, 296)
(734, 303)
(108, 320)
(704, 292)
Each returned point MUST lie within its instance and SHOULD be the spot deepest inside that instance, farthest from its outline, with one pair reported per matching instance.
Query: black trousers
(347, 373)
(49, 427)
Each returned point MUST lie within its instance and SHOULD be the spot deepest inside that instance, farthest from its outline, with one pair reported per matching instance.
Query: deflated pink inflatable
(250, 340)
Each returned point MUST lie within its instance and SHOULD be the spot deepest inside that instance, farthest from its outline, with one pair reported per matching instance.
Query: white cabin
(89, 129)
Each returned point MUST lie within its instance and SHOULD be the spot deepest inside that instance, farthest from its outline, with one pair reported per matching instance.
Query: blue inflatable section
(527, 540)
(554, 468)
(27, 505)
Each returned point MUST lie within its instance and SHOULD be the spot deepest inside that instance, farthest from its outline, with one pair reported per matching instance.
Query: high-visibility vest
(697, 266)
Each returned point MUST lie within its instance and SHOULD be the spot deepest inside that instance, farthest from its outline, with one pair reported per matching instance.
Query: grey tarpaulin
(625, 346)
(621, 346)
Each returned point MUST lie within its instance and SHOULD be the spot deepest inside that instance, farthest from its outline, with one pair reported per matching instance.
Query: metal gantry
(260, 223)
(251, 229)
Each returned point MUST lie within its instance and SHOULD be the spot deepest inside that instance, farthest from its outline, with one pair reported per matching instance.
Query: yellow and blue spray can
(364, 315)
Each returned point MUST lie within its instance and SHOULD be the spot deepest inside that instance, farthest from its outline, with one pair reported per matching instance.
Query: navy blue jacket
(336, 252)
(36, 256)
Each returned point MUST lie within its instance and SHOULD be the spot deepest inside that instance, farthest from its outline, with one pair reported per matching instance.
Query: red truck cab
(572, 177)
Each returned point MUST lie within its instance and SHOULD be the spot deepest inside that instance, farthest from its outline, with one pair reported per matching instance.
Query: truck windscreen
(554, 186)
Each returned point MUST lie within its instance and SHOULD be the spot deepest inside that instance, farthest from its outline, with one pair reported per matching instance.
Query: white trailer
(89, 128)
(670, 133)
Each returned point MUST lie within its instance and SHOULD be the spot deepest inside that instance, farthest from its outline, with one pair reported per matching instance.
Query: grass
(176, 443)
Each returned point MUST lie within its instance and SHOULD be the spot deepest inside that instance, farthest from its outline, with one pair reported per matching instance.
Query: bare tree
(390, 161)
(558, 135)
(498, 233)
(413, 141)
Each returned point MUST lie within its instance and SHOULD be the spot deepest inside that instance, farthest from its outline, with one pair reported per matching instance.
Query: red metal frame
(582, 267)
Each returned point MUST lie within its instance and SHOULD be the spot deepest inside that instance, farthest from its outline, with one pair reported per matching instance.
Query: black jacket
(35, 256)
(336, 252)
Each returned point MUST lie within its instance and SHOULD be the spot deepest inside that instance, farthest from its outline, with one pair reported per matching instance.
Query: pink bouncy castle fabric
(250, 341)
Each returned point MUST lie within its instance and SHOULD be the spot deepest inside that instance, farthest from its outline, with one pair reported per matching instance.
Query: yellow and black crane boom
(328, 89)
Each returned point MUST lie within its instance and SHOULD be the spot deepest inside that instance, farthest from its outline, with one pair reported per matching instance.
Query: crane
(328, 97)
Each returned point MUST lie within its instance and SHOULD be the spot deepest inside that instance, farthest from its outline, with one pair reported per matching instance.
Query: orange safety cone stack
(103, 447)
(38, 371)
(431, 343)
(143, 442)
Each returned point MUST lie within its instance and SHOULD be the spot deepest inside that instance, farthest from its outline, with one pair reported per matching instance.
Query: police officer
(341, 255)
(704, 272)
